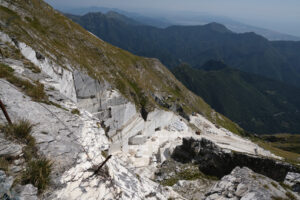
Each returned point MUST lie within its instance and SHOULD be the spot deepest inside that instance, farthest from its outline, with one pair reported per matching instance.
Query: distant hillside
(196, 45)
(257, 104)
(189, 19)
(150, 21)
(109, 17)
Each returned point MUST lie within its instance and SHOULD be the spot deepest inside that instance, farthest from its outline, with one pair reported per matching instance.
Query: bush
(37, 173)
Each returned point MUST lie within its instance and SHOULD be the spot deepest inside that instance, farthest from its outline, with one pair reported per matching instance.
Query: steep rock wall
(215, 161)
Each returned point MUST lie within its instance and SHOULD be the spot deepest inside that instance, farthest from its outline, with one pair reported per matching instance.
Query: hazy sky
(279, 15)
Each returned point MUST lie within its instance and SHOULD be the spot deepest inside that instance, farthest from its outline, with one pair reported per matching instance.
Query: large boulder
(8, 148)
(5, 183)
(213, 160)
(244, 184)
(137, 140)
(26, 192)
(293, 180)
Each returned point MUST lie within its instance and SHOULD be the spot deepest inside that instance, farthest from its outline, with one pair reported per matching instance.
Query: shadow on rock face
(214, 161)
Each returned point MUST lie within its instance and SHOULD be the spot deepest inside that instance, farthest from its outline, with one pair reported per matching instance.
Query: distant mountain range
(195, 45)
(256, 103)
(192, 19)
(151, 21)
(188, 18)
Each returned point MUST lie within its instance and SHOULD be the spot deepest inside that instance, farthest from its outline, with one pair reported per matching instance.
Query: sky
(278, 15)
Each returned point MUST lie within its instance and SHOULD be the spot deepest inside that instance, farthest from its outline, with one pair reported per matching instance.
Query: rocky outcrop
(293, 180)
(5, 183)
(103, 102)
(184, 179)
(8, 148)
(244, 184)
(61, 78)
(22, 192)
(75, 143)
(213, 160)
(194, 189)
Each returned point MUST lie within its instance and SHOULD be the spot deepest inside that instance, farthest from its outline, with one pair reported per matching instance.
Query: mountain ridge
(195, 45)
(186, 20)
(257, 104)
(102, 60)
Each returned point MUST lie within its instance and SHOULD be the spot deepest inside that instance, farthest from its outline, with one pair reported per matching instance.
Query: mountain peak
(112, 13)
(217, 27)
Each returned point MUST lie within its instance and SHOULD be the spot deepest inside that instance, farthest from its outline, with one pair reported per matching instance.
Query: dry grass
(32, 67)
(38, 168)
(75, 112)
(192, 173)
(287, 155)
(37, 173)
(35, 91)
(4, 164)
(290, 196)
(20, 131)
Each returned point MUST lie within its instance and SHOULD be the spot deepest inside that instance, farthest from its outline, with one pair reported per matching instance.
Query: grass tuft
(38, 169)
(4, 164)
(274, 184)
(285, 186)
(20, 130)
(290, 196)
(187, 174)
(37, 173)
(33, 68)
(35, 91)
(104, 154)
(75, 112)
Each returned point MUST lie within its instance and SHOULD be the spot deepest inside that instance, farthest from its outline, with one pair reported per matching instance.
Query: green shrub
(37, 173)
